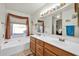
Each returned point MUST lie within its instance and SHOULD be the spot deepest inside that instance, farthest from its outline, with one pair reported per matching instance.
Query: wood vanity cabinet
(48, 53)
(56, 51)
(36, 46)
(32, 45)
(40, 48)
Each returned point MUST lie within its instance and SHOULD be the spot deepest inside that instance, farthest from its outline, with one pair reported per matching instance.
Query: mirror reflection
(40, 26)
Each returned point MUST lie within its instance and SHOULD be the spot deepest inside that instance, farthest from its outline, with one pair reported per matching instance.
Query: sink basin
(76, 41)
(47, 37)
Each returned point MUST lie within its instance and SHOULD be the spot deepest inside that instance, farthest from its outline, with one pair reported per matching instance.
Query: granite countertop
(70, 44)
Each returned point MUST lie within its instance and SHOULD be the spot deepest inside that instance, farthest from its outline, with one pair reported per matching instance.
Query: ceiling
(28, 8)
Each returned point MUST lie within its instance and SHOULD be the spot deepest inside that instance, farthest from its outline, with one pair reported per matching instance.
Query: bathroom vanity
(48, 46)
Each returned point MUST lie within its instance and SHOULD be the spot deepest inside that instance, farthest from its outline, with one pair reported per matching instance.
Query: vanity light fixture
(58, 16)
(52, 8)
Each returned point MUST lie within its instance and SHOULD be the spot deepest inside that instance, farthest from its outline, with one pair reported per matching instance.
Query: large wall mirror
(59, 27)
(57, 24)
(40, 26)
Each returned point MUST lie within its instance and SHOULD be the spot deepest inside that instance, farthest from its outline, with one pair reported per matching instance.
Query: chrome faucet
(61, 39)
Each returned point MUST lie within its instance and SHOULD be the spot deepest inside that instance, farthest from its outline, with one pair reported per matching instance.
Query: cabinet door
(32, 45)
(39, 42)
(39, 50)
(48, 53)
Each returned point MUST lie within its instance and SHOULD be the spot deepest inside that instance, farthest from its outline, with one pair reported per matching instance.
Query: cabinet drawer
(57, 51)
(39, 50)
(32, 39)
(39, 42)
(38, 54)
(48, 53)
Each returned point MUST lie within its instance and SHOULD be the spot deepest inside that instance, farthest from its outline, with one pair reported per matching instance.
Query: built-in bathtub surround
(14, 46)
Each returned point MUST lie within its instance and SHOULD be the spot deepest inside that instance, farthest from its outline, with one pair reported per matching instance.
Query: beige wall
(2, 20)
(67, 15)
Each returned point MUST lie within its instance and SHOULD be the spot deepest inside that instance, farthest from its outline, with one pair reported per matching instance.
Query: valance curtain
(7, 34)
(8, 29)
(27, 25)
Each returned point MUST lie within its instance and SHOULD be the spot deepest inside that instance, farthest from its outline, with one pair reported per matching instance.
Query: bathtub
(12, 46)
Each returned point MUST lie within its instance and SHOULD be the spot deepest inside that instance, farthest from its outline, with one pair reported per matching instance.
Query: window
(19, 28)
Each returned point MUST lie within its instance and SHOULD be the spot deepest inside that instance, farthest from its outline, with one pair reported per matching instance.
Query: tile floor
(25, 53)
